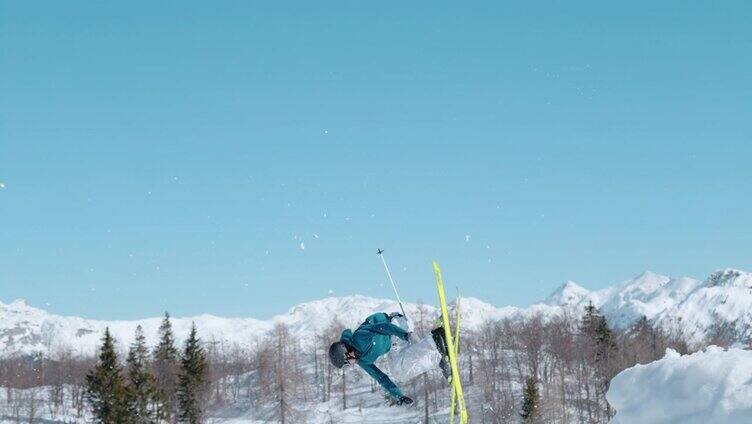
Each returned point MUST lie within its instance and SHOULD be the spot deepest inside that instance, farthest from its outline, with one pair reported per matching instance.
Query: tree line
(558, 371)
(537, 370)
(164, 386)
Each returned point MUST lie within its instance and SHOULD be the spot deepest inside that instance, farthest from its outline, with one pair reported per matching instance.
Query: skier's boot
(440, 339)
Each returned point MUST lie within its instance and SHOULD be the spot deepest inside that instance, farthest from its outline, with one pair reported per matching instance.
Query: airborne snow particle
(302, 246)
(467, 237)
(2, 185)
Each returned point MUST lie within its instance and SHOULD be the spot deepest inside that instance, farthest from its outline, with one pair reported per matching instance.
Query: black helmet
(338, 354)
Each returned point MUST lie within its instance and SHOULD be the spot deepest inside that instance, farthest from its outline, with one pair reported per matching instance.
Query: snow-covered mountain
(649, 294)
(26, 330)
(685, 304)
(724, 299)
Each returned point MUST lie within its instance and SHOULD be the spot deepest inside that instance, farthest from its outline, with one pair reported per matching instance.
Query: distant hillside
(683, 304)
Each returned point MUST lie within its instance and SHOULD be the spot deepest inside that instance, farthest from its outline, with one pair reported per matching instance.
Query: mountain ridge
(691, 306)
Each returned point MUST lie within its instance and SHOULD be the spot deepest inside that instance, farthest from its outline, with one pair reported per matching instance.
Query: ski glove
(404, 400)
(394, 315)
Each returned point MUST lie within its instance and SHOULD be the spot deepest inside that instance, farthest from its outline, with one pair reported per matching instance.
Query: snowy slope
(648, 294)
(709, 387)
(26, 330)
(725, 297)
(685, 304)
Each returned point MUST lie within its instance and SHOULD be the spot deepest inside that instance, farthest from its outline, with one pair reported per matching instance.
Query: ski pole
(380, 252)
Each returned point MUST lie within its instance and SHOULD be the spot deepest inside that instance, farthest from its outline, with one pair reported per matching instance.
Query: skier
(373, 339)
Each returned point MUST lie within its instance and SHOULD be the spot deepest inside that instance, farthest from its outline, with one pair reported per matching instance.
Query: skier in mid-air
(373, 339)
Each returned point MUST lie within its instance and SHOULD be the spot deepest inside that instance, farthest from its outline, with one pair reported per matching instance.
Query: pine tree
(605, 342)
(192, 381)
(589, 320)
(165, 368)
(601, 344)
(105, 390)
(595, 328)
(530, 401)
(141, 389)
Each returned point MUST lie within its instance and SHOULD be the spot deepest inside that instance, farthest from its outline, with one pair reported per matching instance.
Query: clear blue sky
(175, 156)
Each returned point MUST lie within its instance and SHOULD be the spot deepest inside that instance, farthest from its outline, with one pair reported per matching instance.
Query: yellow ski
(456, 383)
(453, 404)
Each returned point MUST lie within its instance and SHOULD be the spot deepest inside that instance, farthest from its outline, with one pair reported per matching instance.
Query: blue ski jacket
(372, 339)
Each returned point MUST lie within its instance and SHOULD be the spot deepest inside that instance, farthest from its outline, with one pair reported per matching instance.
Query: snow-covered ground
(713, 386)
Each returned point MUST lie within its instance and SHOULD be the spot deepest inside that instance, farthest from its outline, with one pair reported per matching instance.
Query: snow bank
(712, 386)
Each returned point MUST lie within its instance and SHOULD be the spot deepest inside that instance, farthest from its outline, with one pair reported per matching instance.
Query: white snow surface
(682, 304)
(709, 387)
